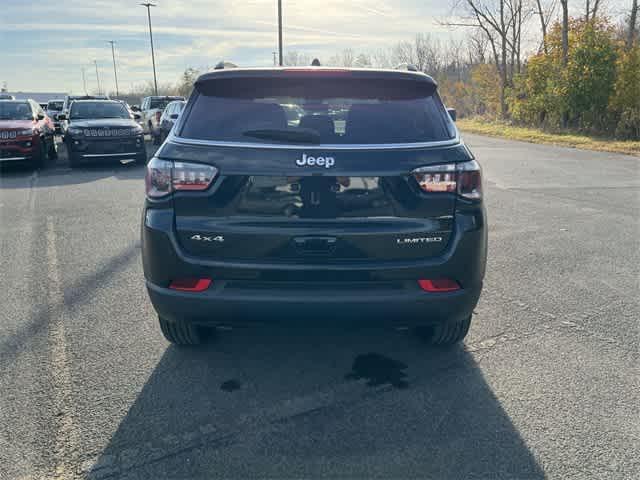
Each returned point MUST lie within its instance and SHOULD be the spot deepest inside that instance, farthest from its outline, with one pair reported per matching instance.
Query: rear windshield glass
(91, 110)
(56, 106)
(334, 112)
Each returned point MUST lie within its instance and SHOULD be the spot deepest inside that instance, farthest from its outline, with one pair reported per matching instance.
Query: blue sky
(46, 44)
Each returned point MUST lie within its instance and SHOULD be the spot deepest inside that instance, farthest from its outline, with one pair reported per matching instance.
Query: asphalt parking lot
(546, 385)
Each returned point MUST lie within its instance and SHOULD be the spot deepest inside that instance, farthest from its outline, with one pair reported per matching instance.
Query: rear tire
(445, 334)
(183, 333)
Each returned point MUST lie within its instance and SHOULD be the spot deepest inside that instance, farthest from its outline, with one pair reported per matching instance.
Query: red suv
(27, 134)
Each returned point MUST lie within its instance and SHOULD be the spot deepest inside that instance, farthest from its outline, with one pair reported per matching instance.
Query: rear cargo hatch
(315, 168)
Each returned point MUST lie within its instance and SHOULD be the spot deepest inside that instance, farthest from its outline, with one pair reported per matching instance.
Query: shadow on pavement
(12, 345)
(281, 403)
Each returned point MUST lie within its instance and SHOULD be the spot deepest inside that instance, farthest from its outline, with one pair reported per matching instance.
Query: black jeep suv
(102, 130)
(364, 207)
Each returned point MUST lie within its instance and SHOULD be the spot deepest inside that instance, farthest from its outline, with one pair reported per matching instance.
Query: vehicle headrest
(320, 123)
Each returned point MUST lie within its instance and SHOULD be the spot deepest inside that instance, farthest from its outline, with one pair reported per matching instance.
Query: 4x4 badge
(203, 238)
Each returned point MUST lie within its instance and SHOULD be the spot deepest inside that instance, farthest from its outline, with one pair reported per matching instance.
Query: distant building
(40, 97)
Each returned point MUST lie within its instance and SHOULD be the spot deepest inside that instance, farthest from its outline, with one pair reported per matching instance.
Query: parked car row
(94, 129)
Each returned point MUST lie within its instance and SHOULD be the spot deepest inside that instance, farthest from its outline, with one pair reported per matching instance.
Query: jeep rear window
(331, 111)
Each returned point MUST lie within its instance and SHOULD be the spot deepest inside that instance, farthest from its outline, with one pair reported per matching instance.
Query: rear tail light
(190, 284)
(164, 177)
(192, 176)
(158, 178)
(439, 285)
(465, 179)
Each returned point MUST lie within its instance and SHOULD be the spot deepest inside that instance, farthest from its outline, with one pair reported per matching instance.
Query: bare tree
(519, 13)
(454, 63)
(363, 61)
(294, 58)
(591, 9)
(382, 58)
(565, 32)
(497, 19)
(545, 14)
(633, 18)
(403, 53)
(477, 47)
(347, 57)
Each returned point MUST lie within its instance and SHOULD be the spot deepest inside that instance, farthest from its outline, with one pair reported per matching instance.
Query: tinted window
(55, 106)
(160, 103)
(81, 109)
(15, 111)
(337, 112)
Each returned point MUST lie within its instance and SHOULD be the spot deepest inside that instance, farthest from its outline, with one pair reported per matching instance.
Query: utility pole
(98, 78)
(115, 71)
(274, 59)
(84, 81)
(280, 31)
(153, 57)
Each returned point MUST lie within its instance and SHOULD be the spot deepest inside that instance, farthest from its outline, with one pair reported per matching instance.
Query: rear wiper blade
(298, 135)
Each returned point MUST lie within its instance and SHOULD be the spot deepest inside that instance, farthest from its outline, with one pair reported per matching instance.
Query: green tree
(591, 73)
(625, 101)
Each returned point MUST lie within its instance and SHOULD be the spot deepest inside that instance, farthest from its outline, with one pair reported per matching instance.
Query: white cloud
(70, 34)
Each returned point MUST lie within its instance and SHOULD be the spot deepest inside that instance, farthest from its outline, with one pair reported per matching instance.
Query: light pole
(153, 57)
(115, 71)
(98, 78)
(280, 31)
(84, 81)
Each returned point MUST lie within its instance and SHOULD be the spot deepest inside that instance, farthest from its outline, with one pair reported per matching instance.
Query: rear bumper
(248, 292)
(221, 305)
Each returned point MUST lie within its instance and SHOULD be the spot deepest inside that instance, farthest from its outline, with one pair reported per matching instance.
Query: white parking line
(66, 437)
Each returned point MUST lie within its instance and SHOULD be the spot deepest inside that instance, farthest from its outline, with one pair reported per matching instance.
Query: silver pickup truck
(151, 110)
